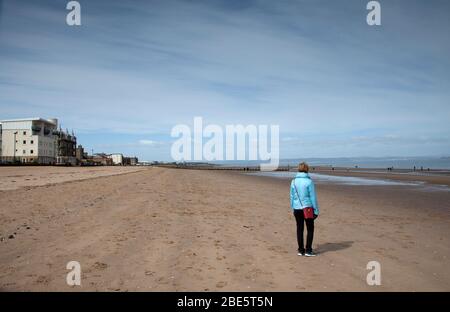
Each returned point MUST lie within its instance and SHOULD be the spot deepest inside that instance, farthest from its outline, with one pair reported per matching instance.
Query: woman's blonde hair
(303, 167)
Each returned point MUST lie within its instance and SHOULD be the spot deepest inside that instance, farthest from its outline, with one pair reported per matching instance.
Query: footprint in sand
(100, 265)
(42, 280)
(221, 284)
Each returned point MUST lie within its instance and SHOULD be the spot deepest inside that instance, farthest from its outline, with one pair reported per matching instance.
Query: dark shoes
(307, 253)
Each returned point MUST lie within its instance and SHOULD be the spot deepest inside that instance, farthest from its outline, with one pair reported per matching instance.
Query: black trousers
(300, 219)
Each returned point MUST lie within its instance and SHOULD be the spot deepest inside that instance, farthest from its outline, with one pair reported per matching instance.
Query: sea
(424, 163)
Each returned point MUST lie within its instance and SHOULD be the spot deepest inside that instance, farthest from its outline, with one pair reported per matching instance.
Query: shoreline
(437, 177)
(356, 179)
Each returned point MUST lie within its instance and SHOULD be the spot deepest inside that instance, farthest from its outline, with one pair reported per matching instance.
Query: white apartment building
(29, 140)
(117, 159)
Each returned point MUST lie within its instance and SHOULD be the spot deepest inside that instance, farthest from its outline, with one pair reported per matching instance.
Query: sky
(336, 86)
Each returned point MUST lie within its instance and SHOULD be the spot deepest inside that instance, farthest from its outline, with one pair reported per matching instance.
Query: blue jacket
(303, 186)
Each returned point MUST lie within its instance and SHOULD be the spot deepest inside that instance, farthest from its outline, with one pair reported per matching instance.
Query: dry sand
(12, 178)
(169, 229)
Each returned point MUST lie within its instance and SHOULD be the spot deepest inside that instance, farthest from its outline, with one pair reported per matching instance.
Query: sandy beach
(161, 229)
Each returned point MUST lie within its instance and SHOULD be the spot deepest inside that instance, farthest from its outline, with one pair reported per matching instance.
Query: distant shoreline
(204, 166)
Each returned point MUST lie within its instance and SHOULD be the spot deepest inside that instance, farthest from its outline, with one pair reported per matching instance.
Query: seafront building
(40, 141)
(67, 148)
(36, 141)
(80, 154)
(29, 140)
(130, 161)
(100, 159)
(117, 159)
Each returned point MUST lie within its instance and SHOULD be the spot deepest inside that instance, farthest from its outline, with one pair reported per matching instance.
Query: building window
(24, 152)
(31, 142)
(24, 133)
(31, 151)
(24, 141)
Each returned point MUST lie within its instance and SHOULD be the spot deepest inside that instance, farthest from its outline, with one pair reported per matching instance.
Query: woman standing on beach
(304, 201)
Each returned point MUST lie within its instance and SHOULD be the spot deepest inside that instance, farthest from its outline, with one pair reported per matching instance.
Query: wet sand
(168, 229)
(433, 177)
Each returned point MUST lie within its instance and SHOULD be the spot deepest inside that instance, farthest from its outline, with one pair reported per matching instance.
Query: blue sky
(134, 69)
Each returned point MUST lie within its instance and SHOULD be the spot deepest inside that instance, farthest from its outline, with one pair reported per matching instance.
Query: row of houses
(104, 159)
(41, 141)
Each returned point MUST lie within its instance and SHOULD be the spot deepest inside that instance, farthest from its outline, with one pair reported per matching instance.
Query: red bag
(308, 213)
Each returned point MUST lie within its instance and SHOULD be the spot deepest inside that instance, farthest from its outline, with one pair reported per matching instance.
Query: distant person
(305, 207)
